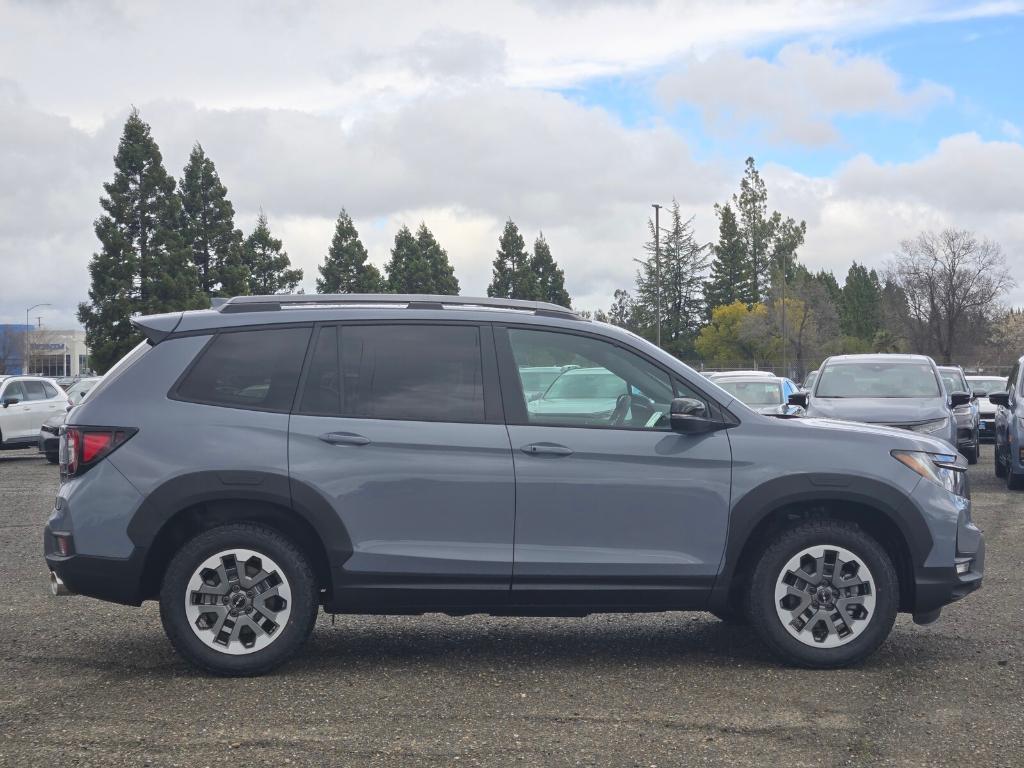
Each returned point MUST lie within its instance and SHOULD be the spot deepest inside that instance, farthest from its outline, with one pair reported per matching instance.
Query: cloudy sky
(870, 120)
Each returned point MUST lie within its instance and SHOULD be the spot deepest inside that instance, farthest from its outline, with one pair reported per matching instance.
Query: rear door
(611, 500)
(399, 427)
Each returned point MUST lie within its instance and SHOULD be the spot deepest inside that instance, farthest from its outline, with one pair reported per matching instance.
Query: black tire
(790, 543)
(732, 618)
(1014, 481)
(295, 567)
(1000, 468)
(971, 454)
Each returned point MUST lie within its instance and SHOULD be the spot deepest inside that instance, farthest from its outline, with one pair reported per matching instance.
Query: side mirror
(689, 416)
(959, 398)
(1000, 398)
(11, 401)
(799, 398)
(979, 393)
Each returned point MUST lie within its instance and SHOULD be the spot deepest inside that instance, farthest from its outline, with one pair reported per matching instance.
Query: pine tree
(345, 269)
(679, 277)
(549, 279)
(208, 227)
(270, 269)
(405, 268)
(512, 277)
(143, 265)
(730, 274)
(441, 278)
(860, 313)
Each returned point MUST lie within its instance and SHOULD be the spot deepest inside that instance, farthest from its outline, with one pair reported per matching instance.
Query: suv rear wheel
(824, 594)
(240, 599)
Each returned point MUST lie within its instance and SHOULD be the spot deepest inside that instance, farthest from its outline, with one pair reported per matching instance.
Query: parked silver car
(902, 391)
(767, 395)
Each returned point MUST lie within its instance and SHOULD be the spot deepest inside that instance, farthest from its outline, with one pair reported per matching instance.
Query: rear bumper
(106, 578)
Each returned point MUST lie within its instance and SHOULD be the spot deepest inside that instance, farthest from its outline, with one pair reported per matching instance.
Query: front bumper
(987, 426)
(936, 587)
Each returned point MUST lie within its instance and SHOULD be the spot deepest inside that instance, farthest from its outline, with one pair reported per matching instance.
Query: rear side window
(49, 390)
(248, 369)
(34, 390)
(404, 372)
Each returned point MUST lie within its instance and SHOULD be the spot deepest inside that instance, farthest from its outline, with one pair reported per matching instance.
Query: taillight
(82, 447)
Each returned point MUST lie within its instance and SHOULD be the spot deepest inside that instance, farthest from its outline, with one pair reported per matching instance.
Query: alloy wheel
(825, 596)
(238, 601)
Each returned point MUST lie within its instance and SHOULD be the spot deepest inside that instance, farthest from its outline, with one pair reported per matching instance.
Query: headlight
(945, 469)
(931, 427)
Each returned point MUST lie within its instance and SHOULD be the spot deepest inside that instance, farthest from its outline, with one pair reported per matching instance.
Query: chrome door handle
(344, 438)
(546, 449)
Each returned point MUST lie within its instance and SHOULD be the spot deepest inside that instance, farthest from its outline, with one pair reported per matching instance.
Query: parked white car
(986, 411)
(78, 390)
(25, 403)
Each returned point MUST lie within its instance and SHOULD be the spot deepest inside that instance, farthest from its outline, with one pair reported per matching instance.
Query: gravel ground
(89, 683)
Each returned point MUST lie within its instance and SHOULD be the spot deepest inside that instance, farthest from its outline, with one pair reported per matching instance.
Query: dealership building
(49, 352)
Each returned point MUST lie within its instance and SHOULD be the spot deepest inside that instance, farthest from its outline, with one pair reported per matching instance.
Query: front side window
(877, 379)
(953, 382)
(599, 384)
(13, 390)
(248, 369)
(404, 372)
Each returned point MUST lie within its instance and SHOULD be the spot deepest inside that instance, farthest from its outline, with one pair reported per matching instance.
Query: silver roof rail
(411, 301)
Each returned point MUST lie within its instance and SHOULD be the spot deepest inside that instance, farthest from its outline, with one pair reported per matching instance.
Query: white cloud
(796, 96)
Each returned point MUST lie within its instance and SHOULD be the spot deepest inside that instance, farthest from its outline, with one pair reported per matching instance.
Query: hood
(890, 437)
(879, 410)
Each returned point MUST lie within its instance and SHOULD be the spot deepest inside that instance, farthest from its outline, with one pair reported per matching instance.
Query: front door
(17, 417)
(399, 427)
(608, 498)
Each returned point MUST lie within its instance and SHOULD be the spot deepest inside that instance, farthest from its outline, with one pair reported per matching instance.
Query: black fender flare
(760, 502)
(195, 488)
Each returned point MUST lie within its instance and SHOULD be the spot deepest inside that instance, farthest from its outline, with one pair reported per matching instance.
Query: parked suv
(26, 402)
(965, 415)
(245, 465)
(903, 391)
(1009, 428)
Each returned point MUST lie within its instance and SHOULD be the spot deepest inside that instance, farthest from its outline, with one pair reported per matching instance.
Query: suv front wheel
(240, 600)
(824, 594)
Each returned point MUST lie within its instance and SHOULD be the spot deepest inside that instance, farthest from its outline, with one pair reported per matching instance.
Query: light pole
(657, 273)
(24, 362)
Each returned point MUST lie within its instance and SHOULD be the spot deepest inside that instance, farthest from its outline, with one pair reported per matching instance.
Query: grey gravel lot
(88, 683)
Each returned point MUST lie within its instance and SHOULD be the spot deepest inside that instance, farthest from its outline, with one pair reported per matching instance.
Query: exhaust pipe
(57, 587)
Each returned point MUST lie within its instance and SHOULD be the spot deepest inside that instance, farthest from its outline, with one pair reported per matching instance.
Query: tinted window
(248, 369)
(34, 390)
(49, 390)
(412, 372)
(601, 385)
(877, 379)
(14, 390)
(321, 393)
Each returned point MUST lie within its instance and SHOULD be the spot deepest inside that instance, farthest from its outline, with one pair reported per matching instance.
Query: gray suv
(248, 464)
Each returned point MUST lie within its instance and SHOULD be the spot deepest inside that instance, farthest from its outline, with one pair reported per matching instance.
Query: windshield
(754, 393)
(809, 382)
(537, 381)
(988, 385)
(586, 384)
(877, 379)
(953, 381)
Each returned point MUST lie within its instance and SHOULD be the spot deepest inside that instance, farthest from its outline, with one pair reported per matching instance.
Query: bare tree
(12, 347)
(952, 282)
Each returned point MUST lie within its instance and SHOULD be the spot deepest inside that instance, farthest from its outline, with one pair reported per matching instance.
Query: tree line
(168, 245)
(747, 300)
